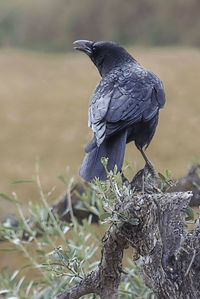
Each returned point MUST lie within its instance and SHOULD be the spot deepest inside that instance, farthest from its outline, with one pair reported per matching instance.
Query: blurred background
(52, 25)
(45, 87)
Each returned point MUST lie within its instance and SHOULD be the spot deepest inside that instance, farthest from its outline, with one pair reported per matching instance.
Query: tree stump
(169, 255)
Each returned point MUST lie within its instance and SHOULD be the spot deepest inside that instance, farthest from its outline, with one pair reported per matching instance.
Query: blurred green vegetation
(50, 25)
(58, 254)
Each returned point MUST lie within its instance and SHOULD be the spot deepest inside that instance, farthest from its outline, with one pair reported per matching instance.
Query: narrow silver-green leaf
(23, 181)
(6, 197)
(104, 216)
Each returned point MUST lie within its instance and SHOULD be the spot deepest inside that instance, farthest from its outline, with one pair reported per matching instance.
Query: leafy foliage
(63, 253)
(166, 181)
(110, 193)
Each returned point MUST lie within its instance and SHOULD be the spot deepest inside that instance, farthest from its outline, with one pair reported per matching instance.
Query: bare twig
(191, 262)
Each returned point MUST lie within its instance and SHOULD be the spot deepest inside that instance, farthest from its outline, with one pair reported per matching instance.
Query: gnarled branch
(169, 256)
(105, 280)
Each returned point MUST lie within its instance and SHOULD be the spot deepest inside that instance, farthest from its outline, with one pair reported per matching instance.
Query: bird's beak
(84, 46)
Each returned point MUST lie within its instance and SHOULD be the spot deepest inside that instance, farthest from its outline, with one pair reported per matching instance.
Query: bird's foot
(149, 168)
(145, 180)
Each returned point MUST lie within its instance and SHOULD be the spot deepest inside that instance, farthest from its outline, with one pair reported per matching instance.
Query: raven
(125, 107)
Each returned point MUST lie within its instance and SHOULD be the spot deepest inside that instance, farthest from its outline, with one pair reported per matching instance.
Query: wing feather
(120, 101)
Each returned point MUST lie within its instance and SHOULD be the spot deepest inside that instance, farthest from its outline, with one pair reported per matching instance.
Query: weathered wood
(105, 280)
(169, 255)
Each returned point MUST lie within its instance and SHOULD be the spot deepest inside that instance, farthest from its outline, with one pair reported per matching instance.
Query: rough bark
(169, 255)
(105, 280)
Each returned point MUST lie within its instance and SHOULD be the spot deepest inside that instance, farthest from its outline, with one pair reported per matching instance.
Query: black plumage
(125, 107)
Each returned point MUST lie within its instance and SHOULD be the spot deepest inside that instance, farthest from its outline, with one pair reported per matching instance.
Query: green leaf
(134, 221)
(19, 283)
(14, 275)
(29, 288)
(62, 179)
(104, 216)
(64, 255)
(190, 214)
(162, 177)
(9, 249)
(115, 170)
(104, 161)
(75, 266)
(56, 256)
(168, 173)
(8, 198)
(77, 279)
(120, 224)
(23, 181)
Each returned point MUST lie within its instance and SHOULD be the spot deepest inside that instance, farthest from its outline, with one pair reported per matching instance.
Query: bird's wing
(99, 107)
(138, 97)
(123, 100)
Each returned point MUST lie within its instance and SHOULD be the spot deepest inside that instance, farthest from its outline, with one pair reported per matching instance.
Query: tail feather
(112, 148)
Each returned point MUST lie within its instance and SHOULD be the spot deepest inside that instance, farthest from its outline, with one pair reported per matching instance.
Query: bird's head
(105, 55)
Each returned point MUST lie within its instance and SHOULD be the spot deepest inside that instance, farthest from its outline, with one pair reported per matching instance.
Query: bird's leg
(145, 179)
(148, 163)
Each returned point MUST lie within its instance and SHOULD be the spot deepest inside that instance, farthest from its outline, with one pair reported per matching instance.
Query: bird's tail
(112, 148)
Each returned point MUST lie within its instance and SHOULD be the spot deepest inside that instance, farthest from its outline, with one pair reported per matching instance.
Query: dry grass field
(44, 101)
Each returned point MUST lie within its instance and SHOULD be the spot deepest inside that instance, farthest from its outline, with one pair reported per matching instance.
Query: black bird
(125, 107)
